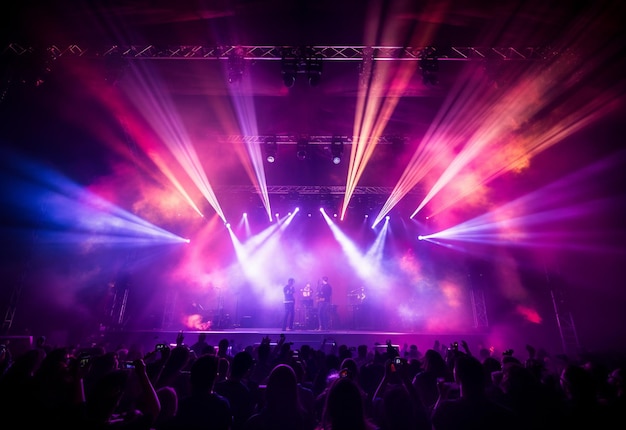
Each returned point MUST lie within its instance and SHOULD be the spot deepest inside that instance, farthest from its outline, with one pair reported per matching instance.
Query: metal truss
(260, 53)
(479, 308)
(311, 139)
(317, 190)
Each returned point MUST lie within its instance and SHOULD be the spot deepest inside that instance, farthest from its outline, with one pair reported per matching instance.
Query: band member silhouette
(324, 300)
(307, 295)
(289, 299)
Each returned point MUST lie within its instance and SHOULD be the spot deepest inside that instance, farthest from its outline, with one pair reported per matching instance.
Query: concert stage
(240, 338)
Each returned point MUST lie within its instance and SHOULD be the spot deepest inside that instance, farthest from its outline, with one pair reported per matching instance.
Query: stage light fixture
(302, 149)
(429, 66)
(270, 150)
(289, 69)
(314, 70)
(336, 149)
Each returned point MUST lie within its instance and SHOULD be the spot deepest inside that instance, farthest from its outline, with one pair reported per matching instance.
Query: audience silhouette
(273, 385)
(472, 409)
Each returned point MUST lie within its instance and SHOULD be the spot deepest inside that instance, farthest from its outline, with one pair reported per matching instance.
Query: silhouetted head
(222, 346)
(469, 373)
(353, 369)
(578, 383)
(435, 363)
(242, 362)
(344, 405)
(179, 357)
(203, 373)
(282, 388)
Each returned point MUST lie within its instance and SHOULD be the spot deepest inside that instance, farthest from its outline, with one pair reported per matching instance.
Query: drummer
(307, 295)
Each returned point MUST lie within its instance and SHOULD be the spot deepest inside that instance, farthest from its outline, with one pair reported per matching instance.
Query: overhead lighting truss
(305, 61)
(295, 139)
(309, 189)
(276, 53)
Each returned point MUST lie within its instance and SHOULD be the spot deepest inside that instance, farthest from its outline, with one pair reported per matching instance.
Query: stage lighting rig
(336, 149)
(295, 61)
(289, 69)
(270, 150)
(314, 70)
(302, 148)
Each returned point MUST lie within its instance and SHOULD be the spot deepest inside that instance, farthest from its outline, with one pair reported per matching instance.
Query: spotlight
(302, 149)
(270, 150)
(314, 70)
(289, 69)
(336, 148)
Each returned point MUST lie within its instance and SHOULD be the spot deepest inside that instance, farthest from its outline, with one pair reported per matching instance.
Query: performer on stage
(289, 300)
(307, 301)
(361, 296)
(307, 295)
(324, 296)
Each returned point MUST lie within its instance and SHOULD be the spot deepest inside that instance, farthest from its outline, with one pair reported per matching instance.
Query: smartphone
(128, 365)
(84, 361)
(160, 346)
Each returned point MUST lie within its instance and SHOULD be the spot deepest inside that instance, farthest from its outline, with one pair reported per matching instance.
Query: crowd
(271, 385)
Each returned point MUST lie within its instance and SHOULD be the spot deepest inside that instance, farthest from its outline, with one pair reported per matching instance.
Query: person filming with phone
(396, 398)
